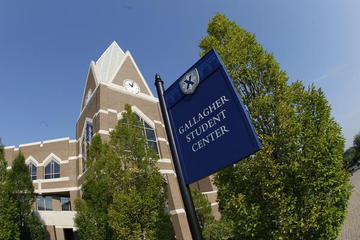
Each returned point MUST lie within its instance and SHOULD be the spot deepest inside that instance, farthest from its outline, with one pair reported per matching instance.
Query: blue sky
(46, 47)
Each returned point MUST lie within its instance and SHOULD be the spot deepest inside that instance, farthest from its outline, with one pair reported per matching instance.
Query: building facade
(57, 166)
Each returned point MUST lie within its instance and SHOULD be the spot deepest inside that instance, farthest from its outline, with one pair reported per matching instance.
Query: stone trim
(160, 123)
(41, 143)
(124, 91)
(51, 190)
(177, 211)
(62, 179)
(164, 160)
(210, 192)
(164, 171)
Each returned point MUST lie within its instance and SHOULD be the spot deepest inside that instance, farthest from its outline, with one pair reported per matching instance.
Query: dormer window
(52, 170)
(88, 96)
(33, 171)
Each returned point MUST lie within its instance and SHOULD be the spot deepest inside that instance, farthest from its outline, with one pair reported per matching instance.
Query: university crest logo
(189, 82)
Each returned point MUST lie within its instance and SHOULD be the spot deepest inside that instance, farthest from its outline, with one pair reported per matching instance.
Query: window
(149, 133)
(65, 203)
(32, 170)
(44, 203)
(89, 131)
(86, 139)
(88, 95)
(52, 170)
(150, 136)
(84, 151)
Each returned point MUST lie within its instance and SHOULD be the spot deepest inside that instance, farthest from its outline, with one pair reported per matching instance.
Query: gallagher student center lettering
(205, 129)
(57, 166)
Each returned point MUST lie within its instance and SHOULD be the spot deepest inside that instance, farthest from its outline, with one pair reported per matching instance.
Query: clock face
(131, 86)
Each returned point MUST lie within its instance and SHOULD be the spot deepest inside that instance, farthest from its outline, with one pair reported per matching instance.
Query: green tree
(349, 158)
(91, 217)
(35, 230)
(356, 145)
(8, 214)
(352, 155)
(22, 195)
(203, 208)
(123, 193)
(296, 187)
(211, 229)
(218, 230)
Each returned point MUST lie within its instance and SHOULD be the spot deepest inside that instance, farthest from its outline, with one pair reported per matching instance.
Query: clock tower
(113, 81)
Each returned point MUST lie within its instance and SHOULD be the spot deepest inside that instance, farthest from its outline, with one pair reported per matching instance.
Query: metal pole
(184, 189)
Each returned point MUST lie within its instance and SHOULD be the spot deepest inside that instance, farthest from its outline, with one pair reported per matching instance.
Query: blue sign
(211, 126)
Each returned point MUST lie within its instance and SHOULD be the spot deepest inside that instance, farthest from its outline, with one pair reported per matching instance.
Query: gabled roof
(106, 68)
(109, 62)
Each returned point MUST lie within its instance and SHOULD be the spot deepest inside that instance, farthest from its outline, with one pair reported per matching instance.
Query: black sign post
(184, 188)
(207, 125)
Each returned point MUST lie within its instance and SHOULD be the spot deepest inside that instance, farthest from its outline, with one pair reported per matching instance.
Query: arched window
(52, 170)
(149, 133)
(88, 133)
(32, 170)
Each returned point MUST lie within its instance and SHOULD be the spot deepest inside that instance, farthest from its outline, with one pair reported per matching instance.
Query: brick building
(57, 166)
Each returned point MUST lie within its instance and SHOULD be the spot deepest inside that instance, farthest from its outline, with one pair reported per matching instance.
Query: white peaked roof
(109, 62)
(107, 66)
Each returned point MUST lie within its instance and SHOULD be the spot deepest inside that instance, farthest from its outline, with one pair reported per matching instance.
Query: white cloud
(330, 72)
